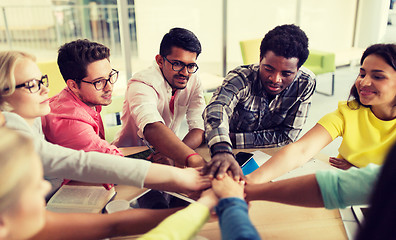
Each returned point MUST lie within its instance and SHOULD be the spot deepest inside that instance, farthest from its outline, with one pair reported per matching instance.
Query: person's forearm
(286, 159)
(160, 177)
(167, 178)
(234, 220)
(87, 226)
(300, 191)
(292, 155)
(182, 225)
(166, 142)
(194, 138)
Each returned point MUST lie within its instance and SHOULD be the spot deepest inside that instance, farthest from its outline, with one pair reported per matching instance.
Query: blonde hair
(16, 153)
(8, 61)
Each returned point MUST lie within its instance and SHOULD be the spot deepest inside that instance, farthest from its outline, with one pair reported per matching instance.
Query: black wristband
(213, 154)
(217, 148)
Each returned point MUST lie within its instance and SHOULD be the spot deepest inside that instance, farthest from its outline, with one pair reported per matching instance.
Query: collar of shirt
(95, 113)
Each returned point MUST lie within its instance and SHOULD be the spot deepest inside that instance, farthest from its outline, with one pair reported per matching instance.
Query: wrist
(195, 161)
(208, 202)
(220, 148)
(189, 157)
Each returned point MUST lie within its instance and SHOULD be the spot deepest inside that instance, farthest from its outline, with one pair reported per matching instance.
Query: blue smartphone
(246, 162)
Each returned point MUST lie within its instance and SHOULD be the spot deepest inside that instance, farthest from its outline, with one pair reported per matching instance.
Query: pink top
(75, 125)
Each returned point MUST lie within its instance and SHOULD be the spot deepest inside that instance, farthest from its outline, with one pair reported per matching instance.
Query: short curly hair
(74, 57)
(287, 41)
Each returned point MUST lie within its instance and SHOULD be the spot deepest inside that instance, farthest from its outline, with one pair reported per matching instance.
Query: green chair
(56, 82)
(320, 62)
(111, 116)
(208, 96)
(250, 50)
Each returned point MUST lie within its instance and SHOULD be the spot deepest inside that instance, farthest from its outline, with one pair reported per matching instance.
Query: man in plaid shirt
(260, 105)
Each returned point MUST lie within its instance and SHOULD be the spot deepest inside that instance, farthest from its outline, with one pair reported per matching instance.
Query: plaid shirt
(241, 106)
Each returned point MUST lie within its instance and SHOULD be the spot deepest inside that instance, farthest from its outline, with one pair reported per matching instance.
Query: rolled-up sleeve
(196, 108)
(143, 102)
(341, 188)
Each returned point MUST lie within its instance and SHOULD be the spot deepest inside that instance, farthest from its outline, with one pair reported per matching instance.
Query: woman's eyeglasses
(34, 85)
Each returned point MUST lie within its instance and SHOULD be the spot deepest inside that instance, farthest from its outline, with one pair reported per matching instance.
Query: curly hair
(287, 41)
(182, 38)
(74, 57)
(385, 51)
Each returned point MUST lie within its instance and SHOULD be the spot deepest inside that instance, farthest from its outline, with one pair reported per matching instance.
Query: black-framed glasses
(177, 66)
(102, 83)
(34, 85)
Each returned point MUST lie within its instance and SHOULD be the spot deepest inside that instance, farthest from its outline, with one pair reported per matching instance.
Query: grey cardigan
(94, 167)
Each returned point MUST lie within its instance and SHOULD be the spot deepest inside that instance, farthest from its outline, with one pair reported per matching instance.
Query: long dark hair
(380, 221)
(386, 52)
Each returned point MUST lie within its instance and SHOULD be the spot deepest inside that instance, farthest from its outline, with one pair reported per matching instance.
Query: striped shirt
(241, 106)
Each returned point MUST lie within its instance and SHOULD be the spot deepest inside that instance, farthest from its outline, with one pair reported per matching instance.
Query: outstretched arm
(222, 161)
(163, 177)
(301, 191)
(292, 155)
(166, 142)
(87, 226)
(185, 223)
(327, 188)
(232, 210)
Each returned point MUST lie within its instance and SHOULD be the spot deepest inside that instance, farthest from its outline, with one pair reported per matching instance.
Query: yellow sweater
(366, 139)
(182, 225)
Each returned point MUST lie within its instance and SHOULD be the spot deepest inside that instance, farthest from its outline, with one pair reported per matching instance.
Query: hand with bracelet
(223, 160)
(194, 160)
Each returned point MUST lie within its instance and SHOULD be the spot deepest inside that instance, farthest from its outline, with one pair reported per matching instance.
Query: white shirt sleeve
(196, 107)
(143, 103)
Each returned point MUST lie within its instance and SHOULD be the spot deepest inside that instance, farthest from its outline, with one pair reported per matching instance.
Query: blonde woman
(23, 214)
(24, 99)
(23, 188)
(22, 202)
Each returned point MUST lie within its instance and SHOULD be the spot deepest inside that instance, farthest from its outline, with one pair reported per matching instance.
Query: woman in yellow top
(367, 123)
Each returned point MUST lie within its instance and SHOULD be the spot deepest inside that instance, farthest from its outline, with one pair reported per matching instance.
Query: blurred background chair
(111, 116)
(56, 82)
(321, 62)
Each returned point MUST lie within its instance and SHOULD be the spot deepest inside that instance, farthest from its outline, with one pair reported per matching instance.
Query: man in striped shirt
(261, 105)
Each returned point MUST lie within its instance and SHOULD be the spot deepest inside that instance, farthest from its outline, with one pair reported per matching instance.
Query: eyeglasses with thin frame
(34, 85)
(178, 66)
(102, 83)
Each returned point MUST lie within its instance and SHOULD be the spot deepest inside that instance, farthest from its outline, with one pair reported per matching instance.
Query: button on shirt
(73, 124)
(241, 106)
(147, 100)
